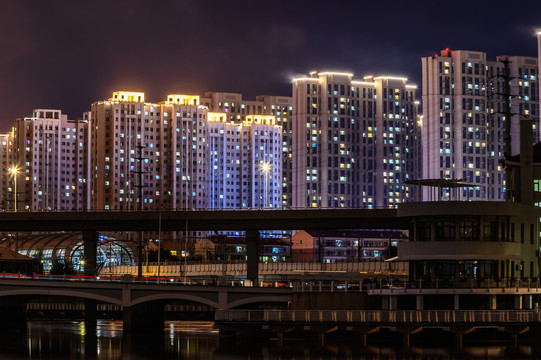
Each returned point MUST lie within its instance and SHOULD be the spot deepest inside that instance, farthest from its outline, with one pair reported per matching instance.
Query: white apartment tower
(463, 128)
(161, 147)
(49, 161)
(245, 162)
(354, 142)
(397, 139)
(237, 109)
(7, 190)
(539, 60)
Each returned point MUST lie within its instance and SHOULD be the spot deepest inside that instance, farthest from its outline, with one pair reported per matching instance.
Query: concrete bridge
(142, 305)
(364, 322)
(250, 221)
(286, 270)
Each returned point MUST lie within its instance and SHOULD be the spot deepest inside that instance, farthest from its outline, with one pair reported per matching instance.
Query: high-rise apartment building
(539, 62)
(245, 162)
(159, 150)
(463, 131)
(237, 109)
(182, 157)
(7, 190)
(48, 158)
(354, 141)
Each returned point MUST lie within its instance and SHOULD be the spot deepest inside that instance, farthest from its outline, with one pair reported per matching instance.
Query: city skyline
(66, 56)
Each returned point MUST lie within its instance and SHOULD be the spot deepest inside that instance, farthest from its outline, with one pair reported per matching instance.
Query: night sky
(66, 54)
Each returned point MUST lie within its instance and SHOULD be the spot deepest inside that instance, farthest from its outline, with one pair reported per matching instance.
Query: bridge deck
(436, 318)
(203, 220)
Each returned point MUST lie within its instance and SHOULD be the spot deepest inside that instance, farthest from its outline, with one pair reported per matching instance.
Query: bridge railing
(390, 284)
(238, 268)
(381, 316)
(202, 209)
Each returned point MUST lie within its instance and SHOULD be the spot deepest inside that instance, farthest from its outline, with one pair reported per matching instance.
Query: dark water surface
(199, 340)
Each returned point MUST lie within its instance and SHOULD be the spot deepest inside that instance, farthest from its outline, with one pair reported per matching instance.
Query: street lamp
(14, 171)
(266, 167)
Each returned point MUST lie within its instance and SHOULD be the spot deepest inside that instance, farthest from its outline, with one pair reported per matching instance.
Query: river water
(199, 340)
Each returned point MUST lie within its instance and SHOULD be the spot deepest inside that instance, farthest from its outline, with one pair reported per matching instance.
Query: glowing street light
(266, 167)
(14, 172)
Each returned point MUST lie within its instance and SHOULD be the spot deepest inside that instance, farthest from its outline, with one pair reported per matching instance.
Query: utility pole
(506, 94)
(507, 113)
(140, 187)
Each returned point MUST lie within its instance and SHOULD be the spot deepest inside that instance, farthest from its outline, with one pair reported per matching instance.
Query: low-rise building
(227, 248)
(333, 245)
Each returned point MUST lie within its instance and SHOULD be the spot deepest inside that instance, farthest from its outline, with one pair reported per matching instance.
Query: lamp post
(159, 242)
(266, 167)
(14, 171)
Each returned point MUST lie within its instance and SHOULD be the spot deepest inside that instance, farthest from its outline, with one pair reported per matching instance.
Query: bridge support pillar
(13, 312)
(392, 302)
(460, 331)
(252, 253)
(457, 302)
(385, 302)
(419, 303)
(406, 332)
(492, 303)
(518, 302)
(90, 243)
(280, 331)
(321, 331)
(458, 340)
(515, 331)
(529, 302)
(91, 322)
(364, 331)
(146, 318)
(91, 316)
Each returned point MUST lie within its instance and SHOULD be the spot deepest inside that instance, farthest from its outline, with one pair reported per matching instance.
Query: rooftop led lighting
(216, 117)
(129, 96)
(335, 73)
(305, 78)
(391, 78)
(363, 83)
(179, 99)
(260, 119)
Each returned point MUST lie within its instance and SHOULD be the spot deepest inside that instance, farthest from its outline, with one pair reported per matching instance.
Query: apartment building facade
(146, 155)
(246, 162)
(47, 160)
(237, 109)
(354, 141)
(463, 131)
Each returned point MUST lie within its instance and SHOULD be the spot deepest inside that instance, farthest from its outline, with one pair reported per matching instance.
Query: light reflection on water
(199, 340)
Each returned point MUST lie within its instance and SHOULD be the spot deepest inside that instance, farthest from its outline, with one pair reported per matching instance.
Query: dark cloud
(66, 54)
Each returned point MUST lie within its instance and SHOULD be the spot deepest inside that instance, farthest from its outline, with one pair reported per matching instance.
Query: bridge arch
(61, 292)
(258, 299)
(172, 296)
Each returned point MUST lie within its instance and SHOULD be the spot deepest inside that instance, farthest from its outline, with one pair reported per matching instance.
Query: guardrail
(397, 285)
(380, 316)
(124, 278)
(383, 285)
(127, 278)
(366, 268)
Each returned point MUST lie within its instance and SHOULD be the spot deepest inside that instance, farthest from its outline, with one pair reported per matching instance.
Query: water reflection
(199, 340)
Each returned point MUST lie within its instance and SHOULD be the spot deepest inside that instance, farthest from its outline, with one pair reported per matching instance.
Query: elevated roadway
(203, 220)
(250, 221)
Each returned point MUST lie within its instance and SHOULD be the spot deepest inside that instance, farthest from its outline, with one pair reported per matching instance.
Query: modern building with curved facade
(471, 239)
(68, 248)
